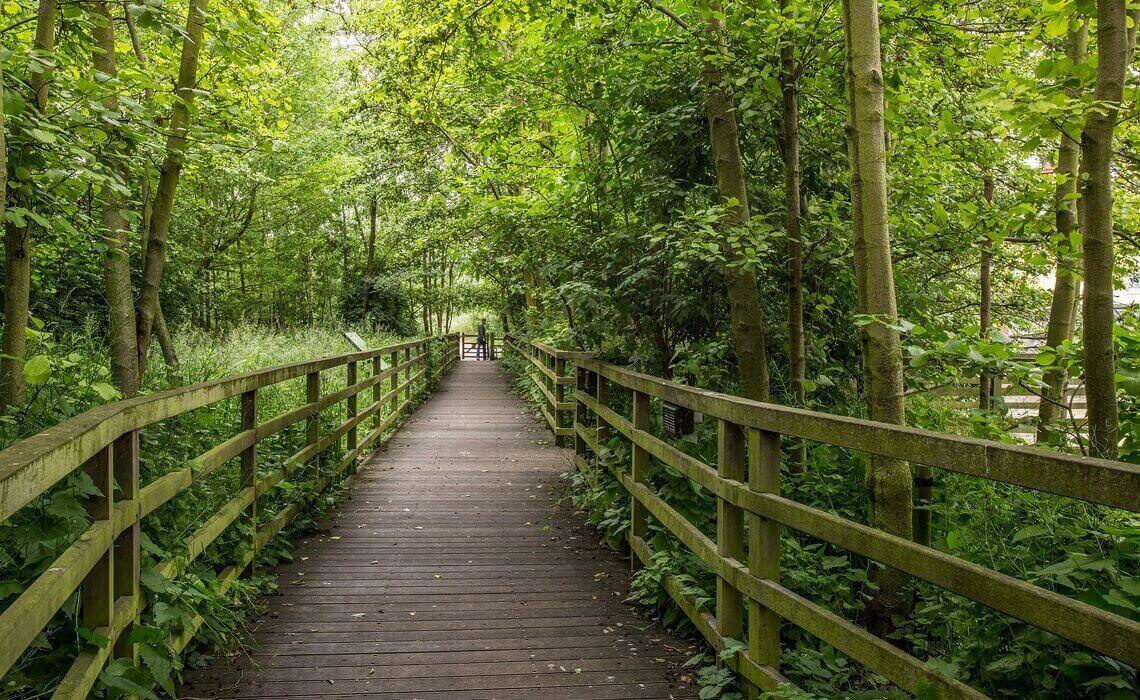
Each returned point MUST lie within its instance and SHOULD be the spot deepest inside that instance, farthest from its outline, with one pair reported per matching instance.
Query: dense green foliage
(394, 166)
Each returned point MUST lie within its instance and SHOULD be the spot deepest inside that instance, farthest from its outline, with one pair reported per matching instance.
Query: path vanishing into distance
(453, 570)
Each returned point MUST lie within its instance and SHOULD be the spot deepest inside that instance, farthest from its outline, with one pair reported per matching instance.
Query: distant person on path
(481, 341)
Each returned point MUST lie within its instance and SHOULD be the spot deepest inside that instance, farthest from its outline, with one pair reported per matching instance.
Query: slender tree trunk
(745, 312)
(797, 359)
(985, 297)
(371, 260)
(17, 239)
(6, 370)
(1062, 308)
(116, 259)
(176, 144)
(530, 283)
(345, 249)
(308, 287)
(166, 344)
(1098, 316)
(890, 489)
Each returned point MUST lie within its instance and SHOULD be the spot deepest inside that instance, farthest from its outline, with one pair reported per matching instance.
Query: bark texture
(745, 312)
(889, 485)
(1060, 326)
(116, 261)
(985, 299)
(176, 143)
(797, 357)
(1096, 198)
(17, 239)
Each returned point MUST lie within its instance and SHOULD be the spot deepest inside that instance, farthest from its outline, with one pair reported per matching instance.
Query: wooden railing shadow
(104, 562)
(750, 601)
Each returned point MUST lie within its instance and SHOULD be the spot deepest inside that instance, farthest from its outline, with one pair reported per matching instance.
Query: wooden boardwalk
(453, 573)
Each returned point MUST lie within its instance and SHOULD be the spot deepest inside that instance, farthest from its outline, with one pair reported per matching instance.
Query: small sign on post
(356, 340)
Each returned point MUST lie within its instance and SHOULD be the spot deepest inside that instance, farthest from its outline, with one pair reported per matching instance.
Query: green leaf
(1028, 532)
(106, 391)
(157, 660)
(37, 370)
(93, 638)
(42, 136)
(120, 682)
(995, 55)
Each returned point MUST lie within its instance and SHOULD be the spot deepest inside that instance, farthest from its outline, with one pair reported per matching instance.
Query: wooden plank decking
(451, 573)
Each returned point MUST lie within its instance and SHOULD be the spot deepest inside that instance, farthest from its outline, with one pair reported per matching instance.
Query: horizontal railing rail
(104, 561)
(746, 483)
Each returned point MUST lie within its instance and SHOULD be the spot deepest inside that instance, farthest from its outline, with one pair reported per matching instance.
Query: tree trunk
(888, 480)
(985, 300)
(9, 391)
(745, 312)
(1096, 196)
(308, 287)
(797, 360)
(371, 260)
(1060, 327)
(17, 239)
(116, 259)
(530, 284)
(176, 144)
(173, 377)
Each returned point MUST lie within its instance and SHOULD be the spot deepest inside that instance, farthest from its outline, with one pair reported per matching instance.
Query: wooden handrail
(104, 442)
(752, 573)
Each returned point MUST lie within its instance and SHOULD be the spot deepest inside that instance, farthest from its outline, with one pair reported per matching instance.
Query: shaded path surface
(451, 573)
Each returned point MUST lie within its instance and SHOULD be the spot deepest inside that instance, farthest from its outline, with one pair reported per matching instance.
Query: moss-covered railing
(746, 483)
(104, 562)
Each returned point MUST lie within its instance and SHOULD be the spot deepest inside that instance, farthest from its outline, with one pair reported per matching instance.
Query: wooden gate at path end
(104, 562)
(746, 483)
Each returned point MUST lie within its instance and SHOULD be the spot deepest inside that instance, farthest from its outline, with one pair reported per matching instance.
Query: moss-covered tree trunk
(797, 360)
(745, 312)
(1096, 195)
(888, 480)
(1060, 326)
(117, 232)
(176, 144)
(17, 239)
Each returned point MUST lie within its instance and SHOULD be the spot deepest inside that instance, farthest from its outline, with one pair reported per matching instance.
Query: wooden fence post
(97, 602)
(763, 547)
(125, 456)
(394, 402)
(640, 472)
(729, 530)
(350, 413)
(580, 384)
(601, 428)
(249, 471)
(559, 399)
(313, 422)
(408, 374)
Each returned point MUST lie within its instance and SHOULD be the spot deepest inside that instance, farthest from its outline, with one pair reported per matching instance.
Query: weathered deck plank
(451, 574)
